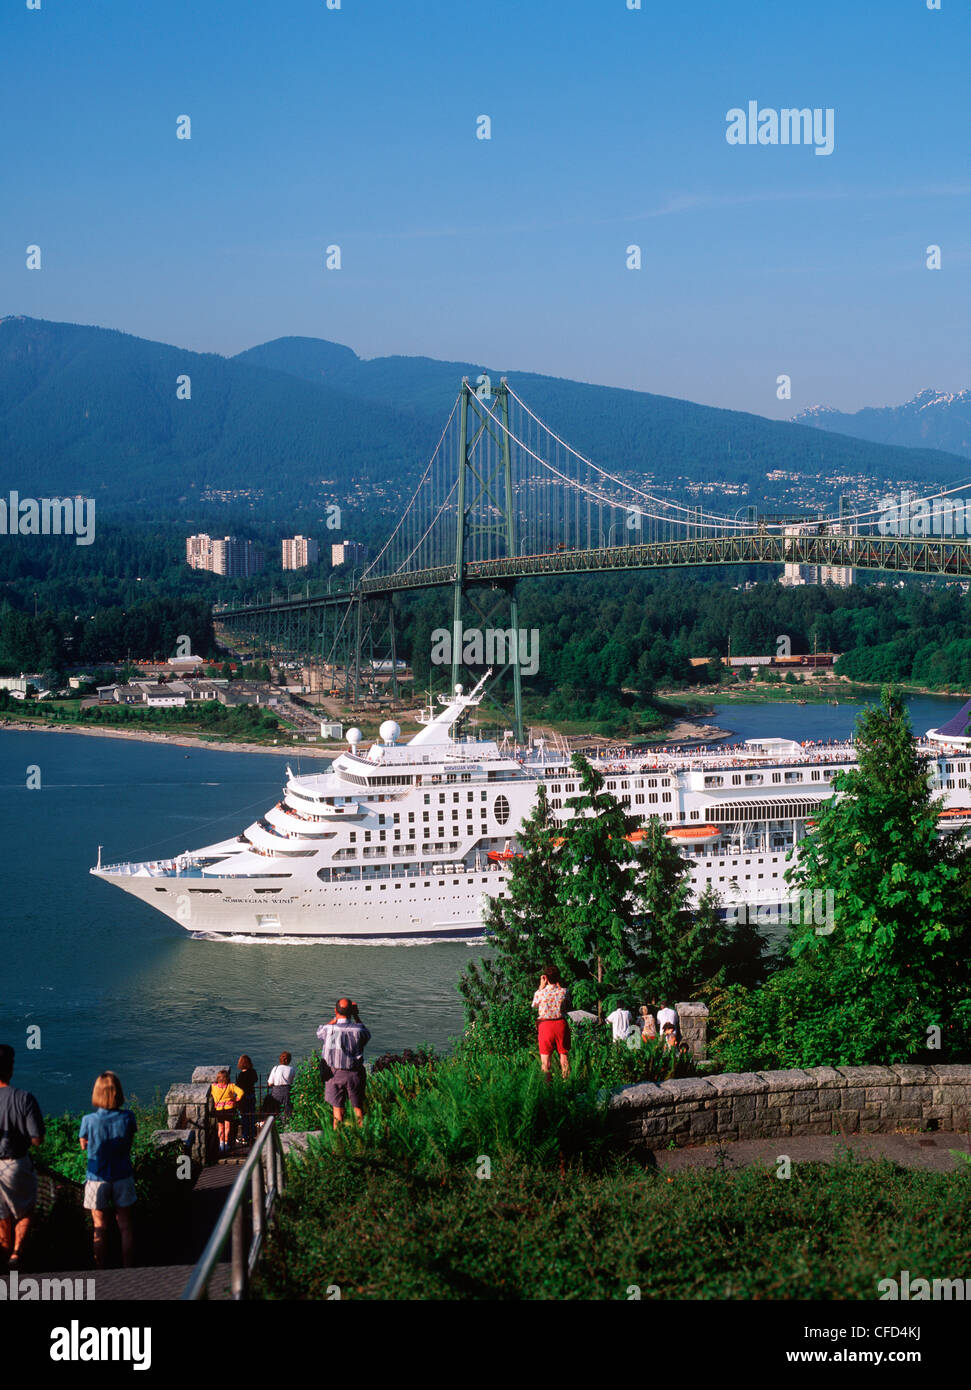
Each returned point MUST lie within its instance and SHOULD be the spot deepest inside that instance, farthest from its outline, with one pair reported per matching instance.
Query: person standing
(554, 1026)
(246, 1079)
(648, 1024)
(279, 1082)
(343, 1041)
(21, 1128)
(621, 1023)
(106, 1135)
(225, 1098)
(667, 1014)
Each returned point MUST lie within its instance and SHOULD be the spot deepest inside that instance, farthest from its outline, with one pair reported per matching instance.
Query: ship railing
(156, 869)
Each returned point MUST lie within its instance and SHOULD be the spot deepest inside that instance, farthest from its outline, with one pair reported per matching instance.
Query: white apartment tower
(299, 551)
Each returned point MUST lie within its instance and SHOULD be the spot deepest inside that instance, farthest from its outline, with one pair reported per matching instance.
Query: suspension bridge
(504, 498)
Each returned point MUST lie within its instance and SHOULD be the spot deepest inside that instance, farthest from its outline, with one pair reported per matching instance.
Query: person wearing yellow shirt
(225, 1097)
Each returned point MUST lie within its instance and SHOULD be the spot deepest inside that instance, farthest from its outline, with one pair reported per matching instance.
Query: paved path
(142, 1284)
(929, 1151)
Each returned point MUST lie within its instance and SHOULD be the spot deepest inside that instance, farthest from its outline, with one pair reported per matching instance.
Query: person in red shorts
(554, 1026)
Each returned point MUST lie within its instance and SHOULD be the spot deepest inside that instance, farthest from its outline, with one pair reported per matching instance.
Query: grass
(533, 1231)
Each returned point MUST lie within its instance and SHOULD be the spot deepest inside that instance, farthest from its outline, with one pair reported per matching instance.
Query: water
(818, 721)
(112, 984)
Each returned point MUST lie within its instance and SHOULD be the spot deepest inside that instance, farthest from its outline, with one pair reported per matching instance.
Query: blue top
(109, 1134)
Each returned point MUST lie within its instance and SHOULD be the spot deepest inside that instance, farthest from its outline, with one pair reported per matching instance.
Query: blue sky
(357, 126)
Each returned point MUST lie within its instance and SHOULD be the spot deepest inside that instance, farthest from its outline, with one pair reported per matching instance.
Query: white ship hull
(409, 841)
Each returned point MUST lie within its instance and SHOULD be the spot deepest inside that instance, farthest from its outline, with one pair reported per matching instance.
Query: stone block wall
(190, 1106)
(694, 1028)
(771, 1104)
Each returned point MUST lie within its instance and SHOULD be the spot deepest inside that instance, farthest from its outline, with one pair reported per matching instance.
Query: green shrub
(490, 1097)
(430, 1118)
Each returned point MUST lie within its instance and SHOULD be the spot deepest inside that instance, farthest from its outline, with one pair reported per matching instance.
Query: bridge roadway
(944, 557)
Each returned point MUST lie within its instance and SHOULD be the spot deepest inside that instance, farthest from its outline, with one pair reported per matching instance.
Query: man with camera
(343, 1041)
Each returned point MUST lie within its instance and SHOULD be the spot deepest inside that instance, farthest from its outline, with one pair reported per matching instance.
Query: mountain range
(288, 425)
(931, 420)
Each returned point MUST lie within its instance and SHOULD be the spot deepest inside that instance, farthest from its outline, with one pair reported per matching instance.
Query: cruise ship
(407, 840)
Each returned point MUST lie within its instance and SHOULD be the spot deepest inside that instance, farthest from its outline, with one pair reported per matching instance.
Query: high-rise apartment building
(348, 553)
(198, 552)
(230, 556)
(299, 551)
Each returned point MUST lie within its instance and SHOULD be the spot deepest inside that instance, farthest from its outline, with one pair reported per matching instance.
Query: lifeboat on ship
(691, 834)
(502, 856)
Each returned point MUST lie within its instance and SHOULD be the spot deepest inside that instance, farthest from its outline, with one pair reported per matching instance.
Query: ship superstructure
(407, 840)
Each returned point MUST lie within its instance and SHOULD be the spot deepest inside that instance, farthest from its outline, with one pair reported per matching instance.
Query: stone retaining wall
(190, 1107)
(820, 1100)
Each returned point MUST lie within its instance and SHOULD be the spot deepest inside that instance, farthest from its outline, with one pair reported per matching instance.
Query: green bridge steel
(945, 558)
(493, 497)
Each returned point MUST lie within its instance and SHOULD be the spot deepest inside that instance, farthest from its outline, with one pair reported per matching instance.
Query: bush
(408, 1058)
(427, 1118)
(802, 1018)
(597, 1056)
(489, 1097)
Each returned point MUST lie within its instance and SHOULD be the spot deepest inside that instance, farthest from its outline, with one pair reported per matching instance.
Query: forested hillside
(284, 429)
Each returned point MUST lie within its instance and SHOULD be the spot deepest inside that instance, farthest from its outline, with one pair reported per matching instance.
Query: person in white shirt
(666, 1014)
(621, 1023)
(278, 1084)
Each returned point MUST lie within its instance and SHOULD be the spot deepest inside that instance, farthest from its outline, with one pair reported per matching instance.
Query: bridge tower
(485, 508)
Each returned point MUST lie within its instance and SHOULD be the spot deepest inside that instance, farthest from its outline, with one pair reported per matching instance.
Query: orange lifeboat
(694, 832)
(500, 856)
(955, 813)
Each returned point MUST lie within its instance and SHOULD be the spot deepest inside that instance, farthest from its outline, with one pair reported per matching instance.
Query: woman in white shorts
(107, 1136)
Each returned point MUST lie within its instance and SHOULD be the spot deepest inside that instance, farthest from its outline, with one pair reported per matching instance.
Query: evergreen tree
(888, 964)
(599, 894)
(606, 899)
(519, 925)
(896, 884)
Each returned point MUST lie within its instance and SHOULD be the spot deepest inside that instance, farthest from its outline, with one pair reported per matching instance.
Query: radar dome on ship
(389, 731)
(354, 736)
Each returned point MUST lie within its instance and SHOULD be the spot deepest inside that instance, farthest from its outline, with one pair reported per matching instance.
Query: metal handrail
(264, 1175)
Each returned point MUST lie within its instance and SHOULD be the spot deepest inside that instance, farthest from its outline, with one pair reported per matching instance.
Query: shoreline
(688, 731)
(315, 750)
(684, 730)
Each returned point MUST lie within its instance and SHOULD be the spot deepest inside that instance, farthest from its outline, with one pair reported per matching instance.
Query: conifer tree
(900, 893)
(519, 924)
(599, 894)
